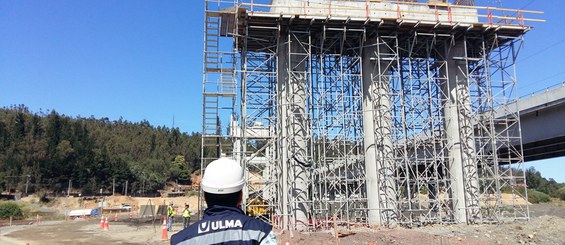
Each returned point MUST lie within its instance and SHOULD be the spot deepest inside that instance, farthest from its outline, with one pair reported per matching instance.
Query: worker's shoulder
(185, 234)
(255, 223)
(180, 236)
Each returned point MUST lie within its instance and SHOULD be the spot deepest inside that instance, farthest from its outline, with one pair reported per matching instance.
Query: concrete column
(269, 175)
(459, 131)
(236, 133)
(282, 144)
(379, 164)
(292, 91)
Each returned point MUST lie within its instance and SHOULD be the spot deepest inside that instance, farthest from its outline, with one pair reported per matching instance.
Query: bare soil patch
(547, 226)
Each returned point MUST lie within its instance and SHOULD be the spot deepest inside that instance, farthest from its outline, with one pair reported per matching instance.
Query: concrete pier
(381, 187)
(459, 130)
(291, 82)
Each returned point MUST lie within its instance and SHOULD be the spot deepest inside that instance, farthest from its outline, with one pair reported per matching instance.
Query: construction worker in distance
(186, 216)
(170, 216)
(224, 222)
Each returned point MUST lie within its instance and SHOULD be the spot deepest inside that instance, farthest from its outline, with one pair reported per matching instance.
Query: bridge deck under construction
(367, 112)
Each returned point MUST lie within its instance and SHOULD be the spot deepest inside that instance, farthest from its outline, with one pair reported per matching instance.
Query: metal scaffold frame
(338, 183)
(364, 121)
(219, 82)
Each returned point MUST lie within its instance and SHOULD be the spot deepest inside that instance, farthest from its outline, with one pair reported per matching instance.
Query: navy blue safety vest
(223, 225)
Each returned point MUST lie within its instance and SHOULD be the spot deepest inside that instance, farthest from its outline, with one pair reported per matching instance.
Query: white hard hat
(223, 176)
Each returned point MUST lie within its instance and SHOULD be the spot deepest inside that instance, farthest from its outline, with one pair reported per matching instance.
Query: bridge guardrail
(552, 87)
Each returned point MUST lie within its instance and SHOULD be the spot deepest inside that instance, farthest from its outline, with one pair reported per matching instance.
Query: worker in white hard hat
(223, 221)
(186, 215)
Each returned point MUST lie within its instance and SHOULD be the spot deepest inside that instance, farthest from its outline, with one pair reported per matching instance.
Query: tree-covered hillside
(541, 189)
(49, 149)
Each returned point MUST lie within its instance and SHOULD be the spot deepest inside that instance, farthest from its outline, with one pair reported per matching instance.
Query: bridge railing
(552, 87)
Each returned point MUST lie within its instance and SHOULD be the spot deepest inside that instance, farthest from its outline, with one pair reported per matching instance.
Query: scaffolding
(366, 112)
(219, 81)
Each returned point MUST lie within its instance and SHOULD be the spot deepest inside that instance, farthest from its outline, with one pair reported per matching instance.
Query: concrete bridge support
(292, 58)
(377, 59)
(459, 129)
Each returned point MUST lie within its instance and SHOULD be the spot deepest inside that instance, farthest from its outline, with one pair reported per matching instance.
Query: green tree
(533, 178)
(10, 209)
(53, 148)
(561, 193)
(179, 170)
(535, 196)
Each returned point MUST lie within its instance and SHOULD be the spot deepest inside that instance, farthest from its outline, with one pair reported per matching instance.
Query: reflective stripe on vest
(226, 236)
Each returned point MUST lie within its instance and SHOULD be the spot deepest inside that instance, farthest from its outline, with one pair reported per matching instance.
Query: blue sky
(134, 59)
(143, 59)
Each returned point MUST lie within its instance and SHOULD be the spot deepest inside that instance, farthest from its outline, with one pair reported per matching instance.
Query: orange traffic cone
(101, 222)
(286, 243)
(84, 217)
(130, 215)
(106, 224)
(371, 243)
(164, 235)
(116, 218)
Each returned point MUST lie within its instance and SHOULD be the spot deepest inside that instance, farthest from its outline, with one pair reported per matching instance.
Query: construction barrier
(164, 235)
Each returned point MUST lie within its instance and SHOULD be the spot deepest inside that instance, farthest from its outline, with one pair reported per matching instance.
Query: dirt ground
(85, 232)
(547, 226)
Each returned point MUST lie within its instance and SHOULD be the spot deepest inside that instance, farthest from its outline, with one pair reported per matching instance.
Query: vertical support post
(369, 140)
(381, 191)
(291, 80)
(239, 131)
(489, 16)
(69, 188)
(366, 8)
(27, 182)
(449, 14)
(520, 17)
(459, 130)
(282, 143)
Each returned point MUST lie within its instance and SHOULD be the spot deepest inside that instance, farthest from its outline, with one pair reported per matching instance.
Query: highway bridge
(542, 117)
